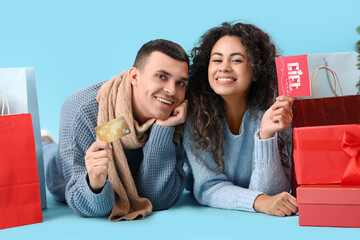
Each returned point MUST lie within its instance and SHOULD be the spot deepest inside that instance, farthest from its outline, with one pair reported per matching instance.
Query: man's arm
(77, 134)
(161, 177)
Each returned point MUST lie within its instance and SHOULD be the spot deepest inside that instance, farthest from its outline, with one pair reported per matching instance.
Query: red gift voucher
(293, 76)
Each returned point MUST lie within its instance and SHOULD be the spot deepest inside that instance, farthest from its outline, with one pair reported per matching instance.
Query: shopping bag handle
(335, 76)
(5, 102)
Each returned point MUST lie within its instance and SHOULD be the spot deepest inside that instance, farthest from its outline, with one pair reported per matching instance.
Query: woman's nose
(225, 66)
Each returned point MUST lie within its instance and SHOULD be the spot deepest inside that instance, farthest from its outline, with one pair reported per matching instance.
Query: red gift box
(327, 154)
(329, 205)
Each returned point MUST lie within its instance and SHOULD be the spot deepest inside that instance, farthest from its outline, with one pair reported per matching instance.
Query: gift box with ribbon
(327, 154)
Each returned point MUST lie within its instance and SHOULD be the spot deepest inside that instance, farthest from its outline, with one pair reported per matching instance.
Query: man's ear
(134, 75)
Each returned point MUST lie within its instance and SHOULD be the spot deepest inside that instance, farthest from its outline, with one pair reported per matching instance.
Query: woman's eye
(237, 60)
(216, 60)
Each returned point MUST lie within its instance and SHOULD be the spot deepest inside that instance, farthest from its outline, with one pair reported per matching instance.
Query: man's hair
(166, 47)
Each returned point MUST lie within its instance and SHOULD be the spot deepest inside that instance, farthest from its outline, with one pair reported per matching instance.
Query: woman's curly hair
(206, 108)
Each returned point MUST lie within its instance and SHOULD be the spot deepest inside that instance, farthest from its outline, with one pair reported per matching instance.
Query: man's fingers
(98, 154)
(94, 163)
(101, 162)
(182, 108)
(99, 145)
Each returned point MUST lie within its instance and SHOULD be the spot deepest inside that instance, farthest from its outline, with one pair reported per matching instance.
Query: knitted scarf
(114, 98)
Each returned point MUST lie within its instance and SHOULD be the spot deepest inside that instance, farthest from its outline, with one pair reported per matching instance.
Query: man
(92, 175)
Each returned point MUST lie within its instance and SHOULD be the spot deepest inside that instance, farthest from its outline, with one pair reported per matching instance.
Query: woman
(236, 154)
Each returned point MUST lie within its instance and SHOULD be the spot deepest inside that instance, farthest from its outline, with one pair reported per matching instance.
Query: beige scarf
(114, 98)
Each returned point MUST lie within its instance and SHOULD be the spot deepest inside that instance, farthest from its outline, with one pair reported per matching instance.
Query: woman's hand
(282, 204)
(278, 117)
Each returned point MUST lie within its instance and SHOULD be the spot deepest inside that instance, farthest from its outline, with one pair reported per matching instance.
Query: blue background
(187, 220)
(73, 44)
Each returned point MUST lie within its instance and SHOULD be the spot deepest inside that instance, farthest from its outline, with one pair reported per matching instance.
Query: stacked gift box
(327, 168)
(326, 138)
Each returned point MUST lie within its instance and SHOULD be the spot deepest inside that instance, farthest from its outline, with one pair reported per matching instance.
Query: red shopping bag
(326, 111)
(19, 182)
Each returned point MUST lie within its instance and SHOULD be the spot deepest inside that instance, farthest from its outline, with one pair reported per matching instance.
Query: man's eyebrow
(164, 72)
(184, 79)
(169, 74)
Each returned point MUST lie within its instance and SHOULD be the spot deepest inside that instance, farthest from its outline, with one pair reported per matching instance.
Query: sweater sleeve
(252, 167)
(161, 177)
(216, 190)
(76, 137)
(269, 175)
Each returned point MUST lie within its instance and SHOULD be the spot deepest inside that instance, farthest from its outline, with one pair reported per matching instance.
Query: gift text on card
(293, 76)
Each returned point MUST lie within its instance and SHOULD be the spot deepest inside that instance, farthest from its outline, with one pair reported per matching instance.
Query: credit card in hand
(112, 130)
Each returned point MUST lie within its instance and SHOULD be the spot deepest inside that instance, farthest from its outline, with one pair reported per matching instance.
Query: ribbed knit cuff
(161, 135)
(102, 196)
(265, 149)
(248, 201)
(254, 195)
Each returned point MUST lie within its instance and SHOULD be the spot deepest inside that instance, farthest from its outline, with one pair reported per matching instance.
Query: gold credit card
(112, 130)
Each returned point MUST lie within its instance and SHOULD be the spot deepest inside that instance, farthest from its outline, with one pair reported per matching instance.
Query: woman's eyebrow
(231, 55)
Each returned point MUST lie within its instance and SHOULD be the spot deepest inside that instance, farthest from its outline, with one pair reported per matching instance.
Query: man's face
(159, 87)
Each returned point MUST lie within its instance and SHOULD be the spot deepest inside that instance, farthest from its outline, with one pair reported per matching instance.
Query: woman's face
(229, 72)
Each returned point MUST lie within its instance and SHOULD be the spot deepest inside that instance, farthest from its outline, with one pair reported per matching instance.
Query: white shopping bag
(344, 64)
(18, 84)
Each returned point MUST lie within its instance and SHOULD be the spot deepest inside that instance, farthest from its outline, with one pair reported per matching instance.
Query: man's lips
(165, 100)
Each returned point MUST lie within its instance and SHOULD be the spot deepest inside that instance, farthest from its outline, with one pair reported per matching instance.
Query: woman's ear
(133, 75)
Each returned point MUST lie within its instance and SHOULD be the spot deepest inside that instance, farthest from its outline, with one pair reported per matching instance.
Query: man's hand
(281, 205)
(97, 163)
(178, 116)
(278, 117)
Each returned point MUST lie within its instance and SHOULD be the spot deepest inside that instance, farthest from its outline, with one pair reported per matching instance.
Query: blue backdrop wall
(73, 43)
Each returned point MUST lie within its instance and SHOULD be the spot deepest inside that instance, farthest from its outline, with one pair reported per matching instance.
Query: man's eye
(181, 84)
(161, 76)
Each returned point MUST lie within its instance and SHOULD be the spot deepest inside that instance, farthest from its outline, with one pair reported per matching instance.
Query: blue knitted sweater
(252, 167)
(157, 167)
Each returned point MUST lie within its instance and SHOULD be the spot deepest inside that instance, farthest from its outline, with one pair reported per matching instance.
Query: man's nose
(170, 88)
